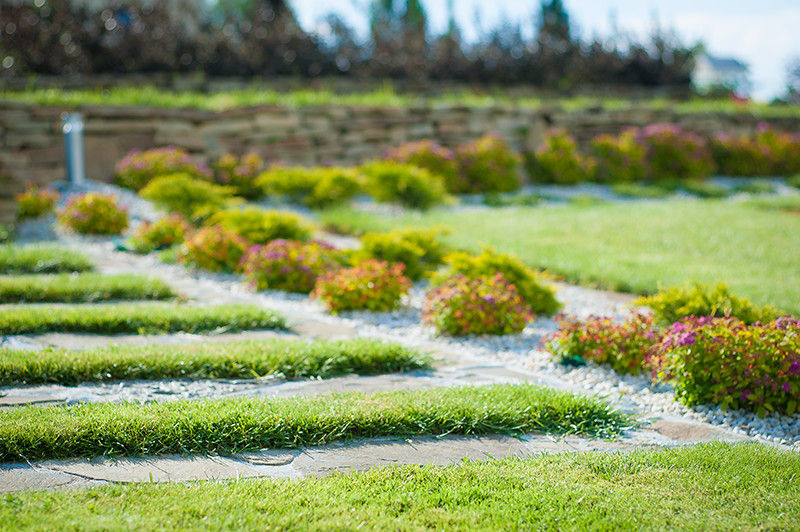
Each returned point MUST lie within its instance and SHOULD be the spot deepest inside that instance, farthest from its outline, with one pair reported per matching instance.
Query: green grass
(293, 359)
(233, 425)
(134, 318)
(384, 97)
(636, 190)
(81, 288)
(707, 487)
(41, 259)
(634, 247)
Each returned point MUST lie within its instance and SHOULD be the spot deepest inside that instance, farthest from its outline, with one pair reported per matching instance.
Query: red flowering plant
(35, 202)
(372, 285)
(213, 248)
(138, 168)
(673, 153)
(437, 159)
(729, 363)
(161, 234)
(482, 305)
(288, 265)
(94, 213)
(621, 345)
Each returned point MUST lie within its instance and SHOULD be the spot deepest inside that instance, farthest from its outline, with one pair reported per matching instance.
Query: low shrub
(193, 198)
(623, 346)
(619, 159)
(317, 187)
(538, 297)
(482, 305)
(36, 202)
(161, 234)
(259, 226)
(372, 285)
(727, 362)
(41, 259)
(695, 299)
(213, 248)
(7, 233)
(755, 187)
(94, 213)
(673, 153)
(558, 160)
(740, 155)
(636, 190)
(437, 159)
(488, 164)
(793, 181)
(783, 147)
(240, 173)
(420, 250)
(408, 185)
(704, 190)
(138, 168)
(288, 265)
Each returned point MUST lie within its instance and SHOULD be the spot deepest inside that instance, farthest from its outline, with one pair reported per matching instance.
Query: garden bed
(81, 288)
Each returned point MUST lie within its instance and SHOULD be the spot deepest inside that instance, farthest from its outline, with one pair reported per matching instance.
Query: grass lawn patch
(634, 247)
(212, 360)
(139, 318)
(41, 259)
(707, 487)
(231, 425)
(81, 288)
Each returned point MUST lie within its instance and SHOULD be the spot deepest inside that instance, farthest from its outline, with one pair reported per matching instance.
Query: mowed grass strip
(634, 247)
(231, 425)
(81, 288)
(139, 318)
(706, 487)
(41, 259)
(292, 358)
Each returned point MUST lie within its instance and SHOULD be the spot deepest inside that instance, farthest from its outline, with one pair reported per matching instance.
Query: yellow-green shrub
(316, 187)
(419, 250)
(94, 213)
(405, 184)
(36, 202)
(193, 198)
(259, 226)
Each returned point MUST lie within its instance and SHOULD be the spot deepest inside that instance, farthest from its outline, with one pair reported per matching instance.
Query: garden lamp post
(72, 126)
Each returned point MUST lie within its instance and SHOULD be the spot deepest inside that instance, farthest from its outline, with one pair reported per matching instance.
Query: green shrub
(704, 190)
(36, 202)
(540, 298)
(636, 190)
(316, 187)
(213, 248)
(783, 148)
(418, 249)
(488, 164)
(623, 346)
(94, 213)
(41, 259)
(193, 198)
(259, 226)
(407, 185)
(558, 160)
(480, 305)
(695, 299)
(138, 168)
(436, 159)
(726, 362)
(740, 155)
(755, 187)
(240, 173)
(161, 234)
(619, 159)
(372, 285)
(6, 233)
(673, 153)
(793, 181)
(288, 265)
(80, 288)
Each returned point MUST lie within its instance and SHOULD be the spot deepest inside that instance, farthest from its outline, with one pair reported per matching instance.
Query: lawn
(707, 487)
(212, 360)
(81, 288)
(634, 247)
(231, 425)
(41, 259)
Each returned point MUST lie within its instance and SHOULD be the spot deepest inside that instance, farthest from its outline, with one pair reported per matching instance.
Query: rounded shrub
(537, 296)
(420, 250)
(138, 168)
(673, 153)
(783, 148)
(372, 285)
(288, 265)
(36, 202)
(240, 173)
(558, 160)
(161, 234)
(213, 248)
(437, 159)
(405, 184)
(482, 305)
(186, 195)
(618, 159)
(94, 213)
(740, 155)
(316, 187)
(259, 226)
(488, 164)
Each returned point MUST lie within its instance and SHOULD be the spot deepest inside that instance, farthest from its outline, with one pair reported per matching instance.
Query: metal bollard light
(72, 126)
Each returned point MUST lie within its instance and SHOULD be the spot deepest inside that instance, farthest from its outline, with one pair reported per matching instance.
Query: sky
(764, 34)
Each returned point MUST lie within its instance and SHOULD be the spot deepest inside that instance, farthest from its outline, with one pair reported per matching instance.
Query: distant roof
(725, 63)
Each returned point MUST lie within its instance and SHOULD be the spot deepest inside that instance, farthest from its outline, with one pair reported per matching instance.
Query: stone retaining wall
(31, 145)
